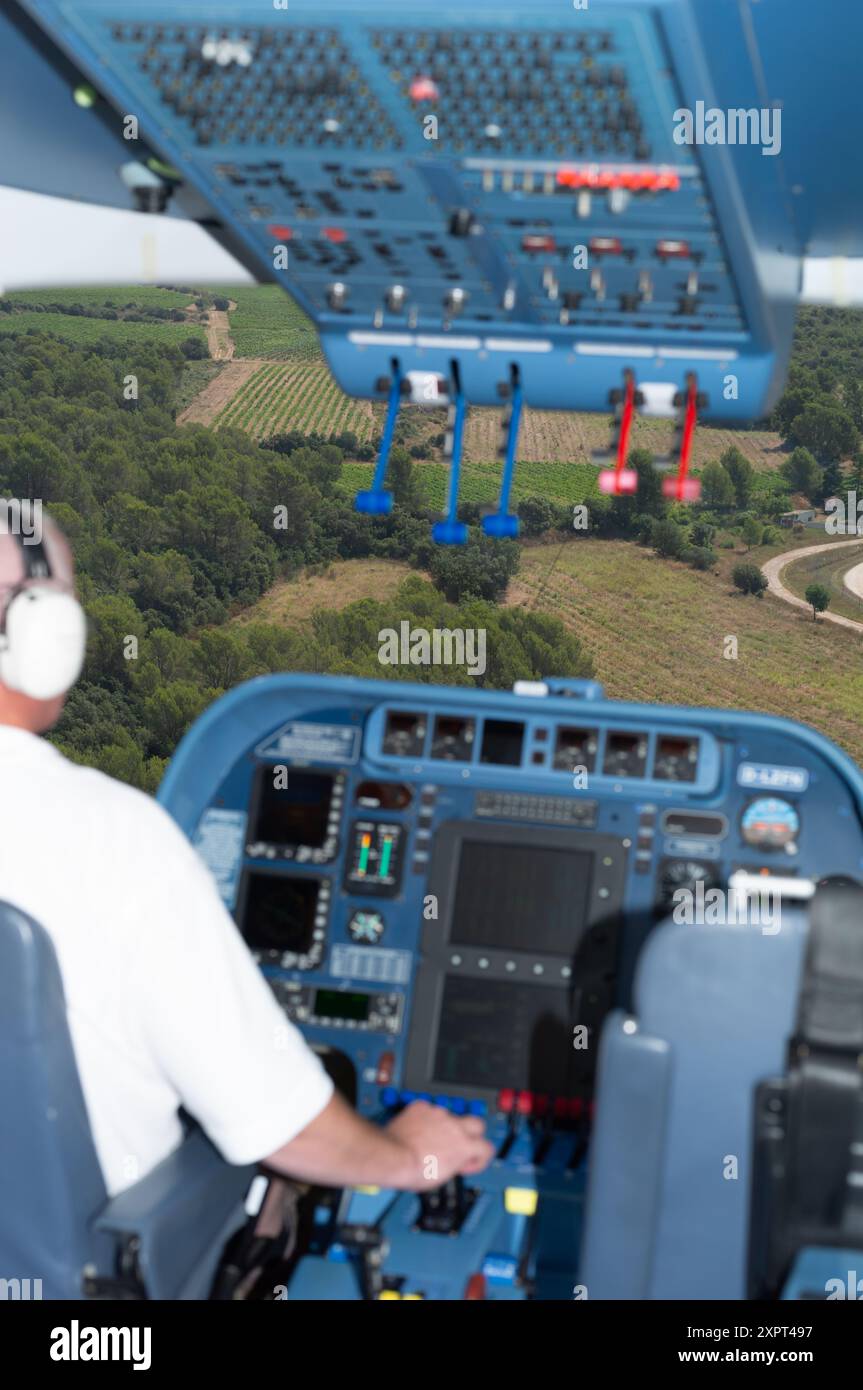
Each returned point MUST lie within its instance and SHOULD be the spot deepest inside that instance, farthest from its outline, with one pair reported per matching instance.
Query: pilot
(166, 1006)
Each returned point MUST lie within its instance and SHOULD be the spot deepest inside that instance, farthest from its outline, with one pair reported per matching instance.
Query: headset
(43, 630)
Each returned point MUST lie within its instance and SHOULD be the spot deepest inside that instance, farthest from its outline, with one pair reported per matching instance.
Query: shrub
(749, 580)
(700, 557)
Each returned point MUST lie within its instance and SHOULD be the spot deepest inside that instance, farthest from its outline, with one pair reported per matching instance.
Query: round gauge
(366, 928)
(684, 873)
(838, 881)
(770, 823)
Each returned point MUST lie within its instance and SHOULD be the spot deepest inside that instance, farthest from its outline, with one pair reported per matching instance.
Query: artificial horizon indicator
(770, 823)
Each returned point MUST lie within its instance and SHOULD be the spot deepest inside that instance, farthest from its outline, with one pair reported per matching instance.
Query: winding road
(853, 581)
(772, 572)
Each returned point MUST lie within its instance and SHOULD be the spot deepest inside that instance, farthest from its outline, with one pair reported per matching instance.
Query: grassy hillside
(292, 602)
(656, 631)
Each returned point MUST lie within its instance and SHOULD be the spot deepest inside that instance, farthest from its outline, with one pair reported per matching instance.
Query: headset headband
(37, 566)
(35, 557)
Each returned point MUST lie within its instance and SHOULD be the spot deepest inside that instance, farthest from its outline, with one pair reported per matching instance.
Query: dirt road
(219, 339)
(772, 572)
(853, 581)
(218, 392)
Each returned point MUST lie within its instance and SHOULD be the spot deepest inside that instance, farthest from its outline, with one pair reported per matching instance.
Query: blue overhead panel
(485, 194)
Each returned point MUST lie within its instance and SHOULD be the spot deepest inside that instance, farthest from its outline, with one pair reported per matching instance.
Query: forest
(176, 531)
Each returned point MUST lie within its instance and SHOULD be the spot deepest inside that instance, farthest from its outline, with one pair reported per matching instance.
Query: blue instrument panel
(443, 886)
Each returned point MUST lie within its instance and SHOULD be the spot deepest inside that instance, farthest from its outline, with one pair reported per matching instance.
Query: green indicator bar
(365, 846)
(386, 856)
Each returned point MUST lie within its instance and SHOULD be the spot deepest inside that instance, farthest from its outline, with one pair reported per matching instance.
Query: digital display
(279, 913)
(496, 1033)
(337, 1003)
(296, 814)
(521, 898)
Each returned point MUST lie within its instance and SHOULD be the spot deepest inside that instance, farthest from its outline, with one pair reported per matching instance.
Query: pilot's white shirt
(165, 1004)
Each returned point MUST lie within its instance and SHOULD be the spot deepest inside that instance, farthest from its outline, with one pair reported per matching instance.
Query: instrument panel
(448, 890)
(418, 869)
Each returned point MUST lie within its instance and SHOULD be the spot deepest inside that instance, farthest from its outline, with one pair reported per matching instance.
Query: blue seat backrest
(668, 1195)
(51, 1184)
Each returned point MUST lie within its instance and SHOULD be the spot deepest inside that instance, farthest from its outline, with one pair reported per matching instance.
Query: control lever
(620, 481)
(503, 522)
(376, 500)
(445, 1209)
(370, 1248)
(451, 531)
(683, 488)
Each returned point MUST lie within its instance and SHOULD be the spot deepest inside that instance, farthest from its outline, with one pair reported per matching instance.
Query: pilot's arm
(244, 1071)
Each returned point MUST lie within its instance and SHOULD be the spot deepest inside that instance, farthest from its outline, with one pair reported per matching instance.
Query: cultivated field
(266, 323)
(656, 631)
(559, 435)
(295, 395)
(560, 482)
(117, 297)
(85, 331)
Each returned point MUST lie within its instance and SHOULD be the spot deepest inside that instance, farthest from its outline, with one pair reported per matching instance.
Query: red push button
(386, 1067)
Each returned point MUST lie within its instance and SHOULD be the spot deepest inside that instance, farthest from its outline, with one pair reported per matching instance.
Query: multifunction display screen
(280, 913)
(295, 814)
(514, 897)
(496, 1033)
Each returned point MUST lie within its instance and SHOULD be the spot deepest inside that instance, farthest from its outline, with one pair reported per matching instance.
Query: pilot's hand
(438, 1145)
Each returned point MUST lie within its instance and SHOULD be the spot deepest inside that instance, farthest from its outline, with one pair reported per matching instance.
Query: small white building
(804, 516)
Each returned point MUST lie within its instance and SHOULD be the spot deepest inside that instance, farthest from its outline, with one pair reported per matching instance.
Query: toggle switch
(597, 284)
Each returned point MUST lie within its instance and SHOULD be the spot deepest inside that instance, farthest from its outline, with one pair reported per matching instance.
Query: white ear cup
(46, 640)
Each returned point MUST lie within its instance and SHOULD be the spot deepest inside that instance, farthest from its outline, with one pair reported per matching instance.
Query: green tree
(166, 583)
(741, 473)
(113, 619)
(752, 530)
(170, 710)
(668, 539)
(717, 488)
(702, 532)
(827, 431)
(402, 478)
(819, 597)
(802, 473)
(480, 569)
(536, 514)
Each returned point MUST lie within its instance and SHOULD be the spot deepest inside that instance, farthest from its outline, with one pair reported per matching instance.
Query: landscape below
(211, 513)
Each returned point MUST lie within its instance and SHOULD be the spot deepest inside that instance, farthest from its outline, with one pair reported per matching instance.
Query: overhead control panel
(475, 196)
